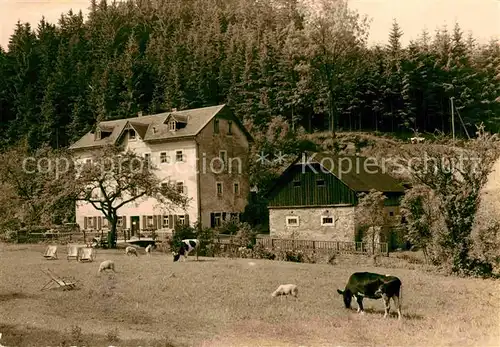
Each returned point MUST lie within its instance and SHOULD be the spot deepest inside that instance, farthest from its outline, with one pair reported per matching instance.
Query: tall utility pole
(452, 118)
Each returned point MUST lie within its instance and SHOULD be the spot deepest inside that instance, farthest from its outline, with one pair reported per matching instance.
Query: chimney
(174, 110)
(139, 114)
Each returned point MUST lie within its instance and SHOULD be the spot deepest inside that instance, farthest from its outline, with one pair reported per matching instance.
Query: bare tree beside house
(372, 216)
(114, 178)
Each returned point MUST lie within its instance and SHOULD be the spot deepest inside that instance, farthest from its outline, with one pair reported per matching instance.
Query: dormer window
(172, 125)
(131, 134)
(98, 135)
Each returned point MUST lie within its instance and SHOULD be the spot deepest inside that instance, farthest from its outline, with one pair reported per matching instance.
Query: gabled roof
(153, 127)
(357, 173)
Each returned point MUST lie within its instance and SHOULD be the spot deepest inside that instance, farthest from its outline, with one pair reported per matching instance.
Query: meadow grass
(152, 301)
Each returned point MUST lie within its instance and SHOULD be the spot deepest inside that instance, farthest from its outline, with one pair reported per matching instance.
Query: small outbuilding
(315, 198)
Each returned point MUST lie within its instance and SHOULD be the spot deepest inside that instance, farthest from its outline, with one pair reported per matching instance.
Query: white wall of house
(335, 223)
(172, 170)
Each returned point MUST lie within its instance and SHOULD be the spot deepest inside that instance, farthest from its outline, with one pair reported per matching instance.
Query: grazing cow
(131, 250)
(286, 289)
(149, 249)
(373, 286)
(187, 246)
(106, 265)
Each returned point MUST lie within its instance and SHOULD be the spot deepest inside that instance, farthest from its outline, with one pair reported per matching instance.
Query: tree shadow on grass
(394, 314)
(14, 296)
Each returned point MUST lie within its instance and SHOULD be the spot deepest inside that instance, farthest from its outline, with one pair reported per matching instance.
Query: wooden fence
(342, 247)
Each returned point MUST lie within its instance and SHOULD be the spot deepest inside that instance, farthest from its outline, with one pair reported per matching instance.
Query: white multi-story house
(188, 147)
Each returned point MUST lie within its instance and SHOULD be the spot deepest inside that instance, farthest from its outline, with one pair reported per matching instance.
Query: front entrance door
(134, 225)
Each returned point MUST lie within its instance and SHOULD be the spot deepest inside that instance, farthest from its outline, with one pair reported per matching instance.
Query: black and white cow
(373, 286)
(187, 246)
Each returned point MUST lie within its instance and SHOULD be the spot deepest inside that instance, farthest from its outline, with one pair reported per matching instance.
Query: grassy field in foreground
(152, 301)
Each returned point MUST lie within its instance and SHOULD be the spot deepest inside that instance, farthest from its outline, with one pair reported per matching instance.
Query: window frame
(130, 137)
(327, 224)
(181, 219)
(148, 219)
(177, 160)
(217, 188)
(236, 192)
(288, 218)
(164, 158)
(181, 184)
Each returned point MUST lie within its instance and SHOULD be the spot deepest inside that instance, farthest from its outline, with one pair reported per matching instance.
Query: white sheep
(131, 250)
(149, 249)
(107, 265)
(286, 289)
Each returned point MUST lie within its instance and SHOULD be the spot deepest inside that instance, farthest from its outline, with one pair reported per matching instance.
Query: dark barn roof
(360, 174)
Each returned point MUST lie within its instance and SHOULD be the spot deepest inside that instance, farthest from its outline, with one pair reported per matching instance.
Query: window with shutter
(186, 218)
(85, 223)
(150, 222)
(165, 222)
(181, 219)
(170, 221)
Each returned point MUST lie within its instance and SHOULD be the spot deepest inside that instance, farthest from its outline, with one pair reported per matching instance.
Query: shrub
(260, 252)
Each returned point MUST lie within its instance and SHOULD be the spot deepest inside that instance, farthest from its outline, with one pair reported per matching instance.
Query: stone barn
(315, 198)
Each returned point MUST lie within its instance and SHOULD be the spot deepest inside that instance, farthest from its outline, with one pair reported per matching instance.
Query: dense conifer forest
(263, 58)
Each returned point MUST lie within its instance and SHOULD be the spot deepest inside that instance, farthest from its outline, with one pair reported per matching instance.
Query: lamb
(149, 249)
(131, 250)
(107, 265)
(286, 289)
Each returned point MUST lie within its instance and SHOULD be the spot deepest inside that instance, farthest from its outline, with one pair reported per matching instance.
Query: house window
(215, 219)
(229, 127)
(88, 161)
(98, 135)
(292, 221)
(219, 188)
(223, 156)
(90, 223)
(320, 183)
(165, 221)
(119, 221)
(236, 189)
(171, 125)
(150, 222)
(391, 213)
(327, 220)
(131, 134)
(179, 156)
(164, 158)
(296, 184)
(105, 222)
(181, 219)
(216, 126)
(180, 187)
